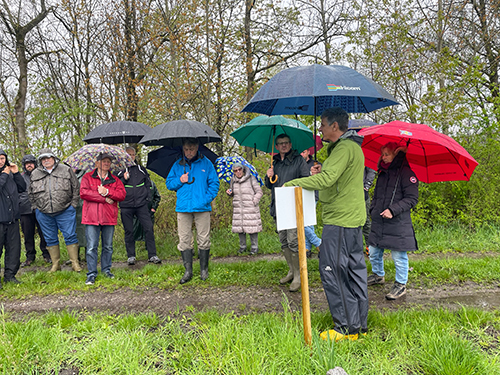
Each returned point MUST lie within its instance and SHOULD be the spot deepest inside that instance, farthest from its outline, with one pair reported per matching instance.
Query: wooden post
(304, 281)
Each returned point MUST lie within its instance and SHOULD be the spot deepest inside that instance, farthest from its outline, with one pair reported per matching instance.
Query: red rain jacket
(96, 211)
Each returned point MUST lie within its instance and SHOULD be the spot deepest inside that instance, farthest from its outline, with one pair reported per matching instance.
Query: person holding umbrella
(100, 191)
(196, 184)
(396, 193)
(342, 265)
(138, 186)
(288, 164)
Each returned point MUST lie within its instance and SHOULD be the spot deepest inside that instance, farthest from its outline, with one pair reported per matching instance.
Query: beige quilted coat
(246, 197)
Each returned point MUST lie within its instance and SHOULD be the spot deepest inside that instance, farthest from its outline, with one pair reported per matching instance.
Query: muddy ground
(243, 300)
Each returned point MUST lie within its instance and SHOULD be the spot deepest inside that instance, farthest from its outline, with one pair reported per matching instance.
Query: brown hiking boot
(397, 291)
(375, 279)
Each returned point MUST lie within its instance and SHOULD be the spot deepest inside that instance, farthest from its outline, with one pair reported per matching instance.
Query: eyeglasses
(282, 143)
(237, 170)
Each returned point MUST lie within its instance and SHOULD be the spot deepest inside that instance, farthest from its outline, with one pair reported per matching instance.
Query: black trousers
(29, 224)
(10, 239)
(342, 269)
(143, 215)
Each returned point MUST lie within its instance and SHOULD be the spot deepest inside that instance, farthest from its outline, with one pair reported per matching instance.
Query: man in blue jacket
(194, 179)
(11, 184)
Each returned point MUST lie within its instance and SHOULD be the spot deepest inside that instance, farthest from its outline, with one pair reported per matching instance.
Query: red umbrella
(432, 155)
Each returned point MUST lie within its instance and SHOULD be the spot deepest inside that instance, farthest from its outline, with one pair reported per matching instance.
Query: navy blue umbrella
(161, 160)
(309, 90)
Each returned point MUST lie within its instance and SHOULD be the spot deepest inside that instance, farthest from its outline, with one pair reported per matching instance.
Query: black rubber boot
(187, 260)
(204, 255)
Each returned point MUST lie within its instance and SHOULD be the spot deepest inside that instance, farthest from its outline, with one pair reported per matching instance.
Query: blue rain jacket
(195, 197)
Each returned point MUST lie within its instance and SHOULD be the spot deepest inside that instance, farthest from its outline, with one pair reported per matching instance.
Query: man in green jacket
(341, 262)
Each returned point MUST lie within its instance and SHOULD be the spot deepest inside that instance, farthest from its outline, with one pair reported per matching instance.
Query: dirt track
(243, 300)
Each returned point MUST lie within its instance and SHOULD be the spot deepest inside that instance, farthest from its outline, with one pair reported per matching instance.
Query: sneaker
(27, 263)
(397, 291)
(375, 279)
(109, 275)
(90, 280)
(254, 251)
(131, 261)
(47, 260)
(309, 254)
(12, 280)
(333, 335)
(241, 250)
(154, 259)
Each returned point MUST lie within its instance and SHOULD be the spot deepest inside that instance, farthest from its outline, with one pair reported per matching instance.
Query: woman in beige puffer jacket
(246, 193)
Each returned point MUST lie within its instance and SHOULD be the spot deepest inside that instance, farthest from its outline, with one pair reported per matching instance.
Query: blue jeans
(92, 234)
(65, 222)
(400, 259)
(311, 237)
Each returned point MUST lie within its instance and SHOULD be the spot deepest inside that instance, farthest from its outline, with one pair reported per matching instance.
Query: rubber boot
(73, 256)
(288, 256)
(243, 243)
(254, 239)
(204, 255)
(187, 260)
(55, 255)
(295, 285)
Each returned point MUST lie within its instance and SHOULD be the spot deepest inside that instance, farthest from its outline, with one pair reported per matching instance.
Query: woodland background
(68, 66)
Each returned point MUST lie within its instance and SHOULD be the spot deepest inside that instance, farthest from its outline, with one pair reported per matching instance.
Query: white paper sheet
(285, 208)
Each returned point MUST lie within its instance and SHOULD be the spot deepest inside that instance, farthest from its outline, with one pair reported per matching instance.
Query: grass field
(413, 340)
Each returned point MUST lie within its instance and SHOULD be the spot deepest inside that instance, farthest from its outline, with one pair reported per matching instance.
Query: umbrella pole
(272, 149)
(304, 282)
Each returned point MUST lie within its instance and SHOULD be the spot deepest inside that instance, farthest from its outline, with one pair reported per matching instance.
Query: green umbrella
(261, 132)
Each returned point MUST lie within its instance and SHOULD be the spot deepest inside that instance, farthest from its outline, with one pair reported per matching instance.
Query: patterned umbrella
(84, 159)
(223, 166)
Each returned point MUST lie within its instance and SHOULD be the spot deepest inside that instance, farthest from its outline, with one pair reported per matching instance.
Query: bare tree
(18, 25)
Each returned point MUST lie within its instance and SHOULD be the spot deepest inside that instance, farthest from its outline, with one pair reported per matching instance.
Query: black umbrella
(171, 134)
(161, 161)
(118, 132)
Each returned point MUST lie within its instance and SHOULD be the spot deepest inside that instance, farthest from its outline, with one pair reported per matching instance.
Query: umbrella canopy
(84, 159)
(117, 132)
(224, 168)
(261, 132)
(161, 161)
(319, 145)
(433, 156)
(171, 134)
(360, 123)
(309, 90)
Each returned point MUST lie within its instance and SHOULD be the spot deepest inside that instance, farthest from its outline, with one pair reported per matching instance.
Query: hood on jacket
(28, 159)
(2, 152)
(47, 153)
(353, 136)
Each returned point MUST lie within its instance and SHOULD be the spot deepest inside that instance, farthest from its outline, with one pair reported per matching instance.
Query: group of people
(341, 183)
(47, 196)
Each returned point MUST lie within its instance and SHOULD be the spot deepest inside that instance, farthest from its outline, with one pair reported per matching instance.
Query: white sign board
(285, 207)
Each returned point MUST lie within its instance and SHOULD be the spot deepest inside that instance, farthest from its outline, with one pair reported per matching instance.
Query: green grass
(207, 342)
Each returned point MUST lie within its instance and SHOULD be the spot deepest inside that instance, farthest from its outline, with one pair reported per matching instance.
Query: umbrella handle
(189, 183)
(275, 177)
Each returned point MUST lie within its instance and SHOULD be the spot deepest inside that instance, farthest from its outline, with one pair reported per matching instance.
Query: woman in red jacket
(100, 191)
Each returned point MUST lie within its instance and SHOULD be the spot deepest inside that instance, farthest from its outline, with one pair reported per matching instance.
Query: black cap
(104, 155)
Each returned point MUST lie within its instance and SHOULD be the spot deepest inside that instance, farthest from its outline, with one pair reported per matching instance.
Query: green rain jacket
(340, 185)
